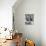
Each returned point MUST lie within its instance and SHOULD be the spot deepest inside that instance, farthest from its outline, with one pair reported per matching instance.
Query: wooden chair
(18, 39)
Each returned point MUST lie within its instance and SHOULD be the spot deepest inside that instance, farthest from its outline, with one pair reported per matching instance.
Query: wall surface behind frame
(29, 31)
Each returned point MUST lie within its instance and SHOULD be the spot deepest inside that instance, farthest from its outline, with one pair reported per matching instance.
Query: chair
(18, 39)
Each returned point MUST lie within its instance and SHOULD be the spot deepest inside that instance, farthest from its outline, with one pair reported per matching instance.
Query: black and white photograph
(29, 19)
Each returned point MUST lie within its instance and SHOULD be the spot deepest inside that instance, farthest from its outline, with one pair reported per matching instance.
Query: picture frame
(29, 19)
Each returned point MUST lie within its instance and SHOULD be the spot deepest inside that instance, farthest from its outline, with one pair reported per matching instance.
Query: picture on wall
(29, 19)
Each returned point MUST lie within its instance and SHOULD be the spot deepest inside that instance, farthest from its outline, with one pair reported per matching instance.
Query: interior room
(22, 23)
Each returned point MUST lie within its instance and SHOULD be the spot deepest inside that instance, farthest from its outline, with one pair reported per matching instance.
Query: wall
(29, 31)
(43, 22)
(6, 13)
(6, 16)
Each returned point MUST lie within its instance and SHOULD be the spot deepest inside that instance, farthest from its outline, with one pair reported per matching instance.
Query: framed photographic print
(29, 19)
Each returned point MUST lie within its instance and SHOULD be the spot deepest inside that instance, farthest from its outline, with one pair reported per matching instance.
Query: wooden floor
(8, 43)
